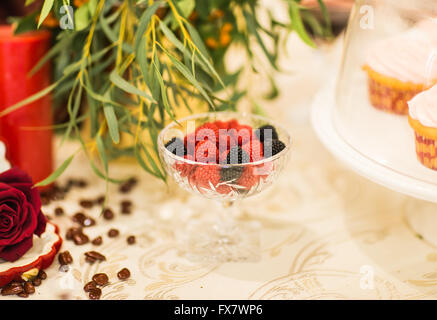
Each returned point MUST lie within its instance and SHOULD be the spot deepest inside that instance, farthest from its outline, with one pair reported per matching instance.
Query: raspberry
(185, 169)
(265, 132)
(237, 155)
(243, 134)
(233, 124)
(221, 124)
(190, 143)
(206, 152)
(273, 147)
(248, 179)
(208, 175)
(207, 131)
(176, 146)
(254, 148)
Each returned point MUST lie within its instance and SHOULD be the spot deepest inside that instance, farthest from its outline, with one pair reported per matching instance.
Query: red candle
(30, 149)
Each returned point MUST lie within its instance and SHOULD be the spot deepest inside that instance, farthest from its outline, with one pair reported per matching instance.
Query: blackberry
(231, 174)
(176, 146)
(266, 132)
(273, 147)
(237, 155)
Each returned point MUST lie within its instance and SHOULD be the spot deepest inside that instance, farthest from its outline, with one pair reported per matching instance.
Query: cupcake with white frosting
(423, 119)
(400, 67)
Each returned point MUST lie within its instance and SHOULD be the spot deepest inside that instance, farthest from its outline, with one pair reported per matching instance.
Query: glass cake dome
(390, 57)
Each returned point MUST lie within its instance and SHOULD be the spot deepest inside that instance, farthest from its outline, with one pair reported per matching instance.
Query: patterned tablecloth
(326, 232)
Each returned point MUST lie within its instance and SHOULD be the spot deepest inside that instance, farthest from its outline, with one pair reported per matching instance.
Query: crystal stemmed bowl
(223, 239)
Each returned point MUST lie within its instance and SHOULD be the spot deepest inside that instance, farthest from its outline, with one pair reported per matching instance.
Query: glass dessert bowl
(225, 156)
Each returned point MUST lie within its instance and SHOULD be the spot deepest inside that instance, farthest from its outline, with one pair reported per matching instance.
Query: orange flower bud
(79, 3)
(211, 43)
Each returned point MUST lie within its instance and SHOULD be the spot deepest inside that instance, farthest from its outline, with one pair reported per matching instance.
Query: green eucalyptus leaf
(47, 6)
(126, 86)
(55, 173)
(82, 17)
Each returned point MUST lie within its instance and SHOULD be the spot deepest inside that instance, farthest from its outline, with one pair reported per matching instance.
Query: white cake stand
(380, 147)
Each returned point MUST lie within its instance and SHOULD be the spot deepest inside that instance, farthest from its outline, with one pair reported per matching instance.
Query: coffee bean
(71, 232)
(9, 290)
(113, 233)
(125, 188)
(36, 282)
(81, 183)
(95, 294)
(29, 288)
(95, 255)
(90, 285)
(126, 210)
(80, 239)
(23, 295)
(132, 181)
(88, 222)
(100, 279)
(97, 241)
(108, 214)
(79, 217)
(131, 240)
(42, 275)
(91, 260)
(126, 203)
(65, 258)
(87, 204)
(100, 200)
(123, 274)
(59, 211)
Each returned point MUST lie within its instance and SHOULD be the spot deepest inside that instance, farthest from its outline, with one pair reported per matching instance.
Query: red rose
(20, 214)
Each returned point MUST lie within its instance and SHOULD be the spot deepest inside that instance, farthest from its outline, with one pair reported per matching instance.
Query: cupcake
(398, 68)
(423, 119)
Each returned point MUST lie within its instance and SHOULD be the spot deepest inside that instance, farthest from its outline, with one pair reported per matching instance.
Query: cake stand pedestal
(366, 152)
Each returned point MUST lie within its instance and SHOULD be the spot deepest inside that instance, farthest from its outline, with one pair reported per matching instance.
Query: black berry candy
(273, 147)
(237, 155)
(266, 132)
(176, 146)
(230, 174)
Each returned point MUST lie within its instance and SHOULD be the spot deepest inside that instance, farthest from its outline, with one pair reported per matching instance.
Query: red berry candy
(206, 152)
(233, 124)
(221, 124)
(184, 168)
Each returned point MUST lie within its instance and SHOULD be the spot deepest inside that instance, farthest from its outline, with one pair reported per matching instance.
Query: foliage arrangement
(133, 63)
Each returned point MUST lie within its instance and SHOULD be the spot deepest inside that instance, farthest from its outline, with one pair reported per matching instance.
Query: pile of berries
(224, 145)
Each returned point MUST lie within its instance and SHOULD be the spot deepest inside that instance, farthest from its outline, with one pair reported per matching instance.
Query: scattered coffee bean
(59, 211)
(81, 183)
(113, 233)
(79, 217)
(71, 232)
(123, 274)
(126, 210)
(126, 203)
(108, 214)
(127, 186)
(97, 241)
(9, 290)
(131, 240)
(87, 204)
(92, 256)
(42, 275)
(65, 258)
(80, 239)
(29, 288)
(100, 200)
(36, 282)
(23, 295)
(95, 294)
(100, 279)
(88, 222)
(90, 285)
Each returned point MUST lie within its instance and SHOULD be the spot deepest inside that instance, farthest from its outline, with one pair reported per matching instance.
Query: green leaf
(186, 7)
(81, 17)
(144, 22)
(111, 119)
(297, 24)
(29, 2)
(92, 7)
(47, 6)
(127, 87)
(56, 173)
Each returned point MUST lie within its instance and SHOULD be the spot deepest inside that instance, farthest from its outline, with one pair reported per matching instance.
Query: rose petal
(42, 222)
(14, 252)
